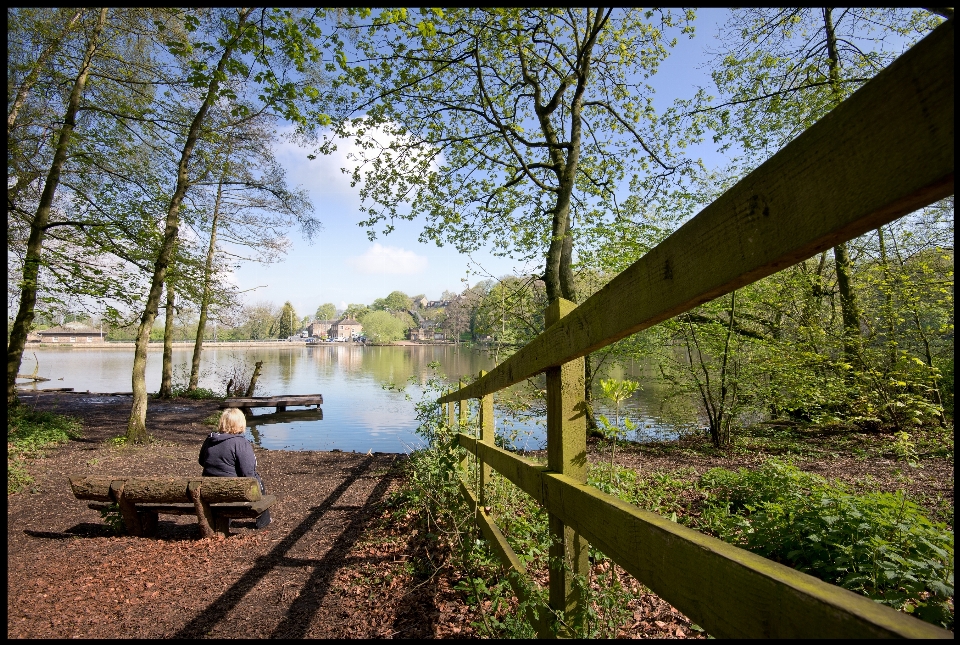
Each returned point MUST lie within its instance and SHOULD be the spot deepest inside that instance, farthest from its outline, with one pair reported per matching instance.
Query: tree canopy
(509, 129)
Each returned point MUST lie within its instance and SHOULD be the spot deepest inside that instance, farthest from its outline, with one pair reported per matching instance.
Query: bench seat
(214, 500)
(232, 510)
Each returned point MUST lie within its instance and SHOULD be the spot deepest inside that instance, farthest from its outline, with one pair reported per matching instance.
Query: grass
(29, 435)
(213, 419)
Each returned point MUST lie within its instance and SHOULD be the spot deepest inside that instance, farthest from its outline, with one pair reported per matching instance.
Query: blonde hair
(232, 421)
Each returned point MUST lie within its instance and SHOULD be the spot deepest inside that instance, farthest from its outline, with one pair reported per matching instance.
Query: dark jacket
(228, 455)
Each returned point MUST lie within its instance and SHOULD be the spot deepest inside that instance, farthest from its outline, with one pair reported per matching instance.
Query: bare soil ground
(337, 562)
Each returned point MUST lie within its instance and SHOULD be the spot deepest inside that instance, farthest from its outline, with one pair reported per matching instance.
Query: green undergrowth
(198, 394)
(877, 543)
(29, 435)
(789, 439)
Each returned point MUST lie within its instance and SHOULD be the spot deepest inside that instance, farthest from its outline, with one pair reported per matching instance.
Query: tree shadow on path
(298, 617)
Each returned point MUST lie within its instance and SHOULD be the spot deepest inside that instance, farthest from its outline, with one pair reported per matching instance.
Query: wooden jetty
(278, 402)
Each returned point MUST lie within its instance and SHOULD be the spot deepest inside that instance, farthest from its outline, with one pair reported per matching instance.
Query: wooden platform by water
(279, 402)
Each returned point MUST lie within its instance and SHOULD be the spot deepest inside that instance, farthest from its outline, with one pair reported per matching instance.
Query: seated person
(226, 453)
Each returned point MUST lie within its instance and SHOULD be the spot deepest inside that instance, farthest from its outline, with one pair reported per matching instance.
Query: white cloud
(324, 176)
(388, 260)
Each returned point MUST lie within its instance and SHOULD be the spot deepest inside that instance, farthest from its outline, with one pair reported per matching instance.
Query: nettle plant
(878, 544)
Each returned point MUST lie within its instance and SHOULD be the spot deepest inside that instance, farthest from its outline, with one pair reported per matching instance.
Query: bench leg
(204, 513)
(281, 408)
(128, 510)
(148, 523)
(222, 525)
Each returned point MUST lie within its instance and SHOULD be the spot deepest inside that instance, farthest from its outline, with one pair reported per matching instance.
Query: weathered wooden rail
(885, 152)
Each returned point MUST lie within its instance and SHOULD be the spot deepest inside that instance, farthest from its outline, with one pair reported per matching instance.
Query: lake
(363, 408)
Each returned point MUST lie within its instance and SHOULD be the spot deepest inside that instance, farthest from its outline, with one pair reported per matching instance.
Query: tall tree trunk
(166, 381)
(558, 276)
(888, 301)
(137, 424)
(205, 299)
(724, 414)
(38, 227)
(849, 311)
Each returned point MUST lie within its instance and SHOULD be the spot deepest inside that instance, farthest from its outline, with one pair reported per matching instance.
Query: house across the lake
(320, 328)
(427, 331)
(346, 328)
(71, 333)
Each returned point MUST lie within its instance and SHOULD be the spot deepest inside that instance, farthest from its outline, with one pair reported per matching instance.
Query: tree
(617, 392)
(166, 380)
(356, 311)
(457, 316)
(259, 319)
(286, 323)
(397, 301)
(326, 311)
(382, 327)
(41, 218)
(252, 209)
(780, 70)
(261, 46)
(496, 126)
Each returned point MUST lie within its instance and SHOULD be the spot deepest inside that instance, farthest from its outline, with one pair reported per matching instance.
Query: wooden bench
(214, 500)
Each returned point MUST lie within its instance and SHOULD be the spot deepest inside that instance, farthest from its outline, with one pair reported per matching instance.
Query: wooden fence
(884, 152)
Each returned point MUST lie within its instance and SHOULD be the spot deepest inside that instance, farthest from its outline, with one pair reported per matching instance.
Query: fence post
(461, 425)
(566, 454)
(485, 436)
(450, 418)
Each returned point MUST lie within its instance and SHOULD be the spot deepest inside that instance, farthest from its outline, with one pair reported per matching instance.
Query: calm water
(359, 413)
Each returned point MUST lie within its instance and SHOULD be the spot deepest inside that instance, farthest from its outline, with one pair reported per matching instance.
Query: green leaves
(879, 544)
(473, 116)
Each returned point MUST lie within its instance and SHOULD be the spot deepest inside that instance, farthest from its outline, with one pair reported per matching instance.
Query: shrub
(201, 393)
(29, 433)
(878, 544)
(111, 517)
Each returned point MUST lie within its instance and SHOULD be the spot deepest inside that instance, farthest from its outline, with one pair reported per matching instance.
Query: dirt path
(334, 563)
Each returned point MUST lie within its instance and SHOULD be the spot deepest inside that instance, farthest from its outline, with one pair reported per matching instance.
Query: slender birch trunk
(205, 299)
(166, 381)
(24, 90)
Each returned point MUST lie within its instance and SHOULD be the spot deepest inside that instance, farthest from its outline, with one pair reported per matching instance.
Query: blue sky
(342, 266)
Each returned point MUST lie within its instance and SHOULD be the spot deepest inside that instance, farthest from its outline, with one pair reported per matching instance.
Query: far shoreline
(158, 345)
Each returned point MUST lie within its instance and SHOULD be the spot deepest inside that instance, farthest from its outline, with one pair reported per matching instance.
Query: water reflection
(359, 412)
(257, 421)
(286, 363)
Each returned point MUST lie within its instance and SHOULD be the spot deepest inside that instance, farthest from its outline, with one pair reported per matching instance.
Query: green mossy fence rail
(883, 153)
